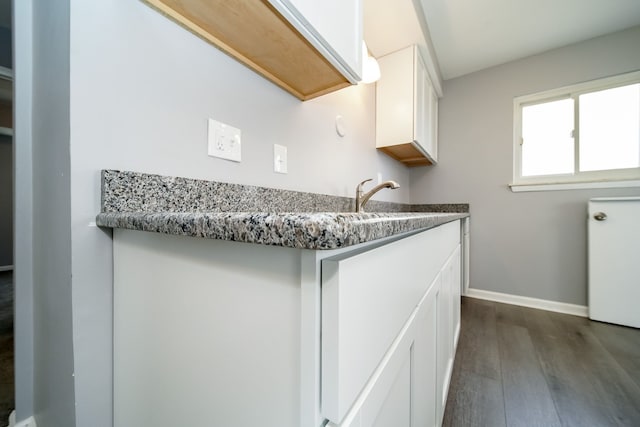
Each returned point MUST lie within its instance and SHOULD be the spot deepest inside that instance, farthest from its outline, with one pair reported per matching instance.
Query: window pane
(547, 147)
(610, 129)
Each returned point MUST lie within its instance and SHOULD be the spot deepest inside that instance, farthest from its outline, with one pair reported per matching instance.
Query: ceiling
(470, 35)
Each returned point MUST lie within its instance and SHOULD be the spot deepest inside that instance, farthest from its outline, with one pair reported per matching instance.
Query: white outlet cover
(279, 158)
(224, 141)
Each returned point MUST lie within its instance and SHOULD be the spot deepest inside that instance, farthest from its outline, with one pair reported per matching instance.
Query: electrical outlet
(279, 158)
(224, 141)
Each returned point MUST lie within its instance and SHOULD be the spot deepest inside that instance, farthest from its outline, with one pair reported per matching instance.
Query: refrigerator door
(614, 260)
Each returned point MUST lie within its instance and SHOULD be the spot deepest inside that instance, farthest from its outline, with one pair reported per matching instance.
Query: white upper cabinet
(431, 137)
(308, 48)
(407, 109)
(333, 27)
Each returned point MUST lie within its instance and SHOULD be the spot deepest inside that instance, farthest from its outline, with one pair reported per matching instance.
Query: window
(585, 133)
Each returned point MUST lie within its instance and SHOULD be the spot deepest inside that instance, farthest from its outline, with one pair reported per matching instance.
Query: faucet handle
(359, 193)
(359, 187)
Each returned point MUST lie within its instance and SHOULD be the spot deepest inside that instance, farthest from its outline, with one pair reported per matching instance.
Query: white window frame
(591, 179)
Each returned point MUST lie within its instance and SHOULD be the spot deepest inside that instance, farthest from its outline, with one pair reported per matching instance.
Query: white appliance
(614, 260)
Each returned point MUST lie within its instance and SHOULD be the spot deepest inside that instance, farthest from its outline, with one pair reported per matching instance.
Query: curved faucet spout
(362, 199)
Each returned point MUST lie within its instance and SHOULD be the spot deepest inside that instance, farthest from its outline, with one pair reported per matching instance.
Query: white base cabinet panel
(448, 327)
(402, 389)
(209, 332)
(465, 251)
(396, 409)
(199, 338)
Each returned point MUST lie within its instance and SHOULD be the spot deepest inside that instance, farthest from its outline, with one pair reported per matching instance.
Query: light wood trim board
(407, 154)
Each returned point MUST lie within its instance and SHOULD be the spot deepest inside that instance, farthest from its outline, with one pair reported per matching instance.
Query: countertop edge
(316, 231)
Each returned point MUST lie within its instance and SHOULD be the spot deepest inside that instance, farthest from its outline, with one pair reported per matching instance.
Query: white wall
(529, 244)
(142, 89)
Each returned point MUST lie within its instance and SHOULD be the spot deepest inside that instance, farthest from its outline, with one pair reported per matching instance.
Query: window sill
(518, 188)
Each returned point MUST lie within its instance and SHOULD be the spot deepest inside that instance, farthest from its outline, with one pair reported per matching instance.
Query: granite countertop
(214, 210)
(316, 230)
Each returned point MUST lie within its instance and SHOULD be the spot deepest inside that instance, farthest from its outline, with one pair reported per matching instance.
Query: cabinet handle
(600, 216)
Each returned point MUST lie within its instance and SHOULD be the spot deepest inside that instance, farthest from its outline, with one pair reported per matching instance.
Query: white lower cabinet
(448, 327)
(388, 313)
(396, 408)
(464, 255)
(402, 390)
(425, 382)
(209, 332)
(455, 280)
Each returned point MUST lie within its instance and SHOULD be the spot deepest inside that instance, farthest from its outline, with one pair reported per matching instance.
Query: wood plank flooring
(517, 366)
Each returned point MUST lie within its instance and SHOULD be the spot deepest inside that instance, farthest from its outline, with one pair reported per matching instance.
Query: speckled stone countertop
(215, 210)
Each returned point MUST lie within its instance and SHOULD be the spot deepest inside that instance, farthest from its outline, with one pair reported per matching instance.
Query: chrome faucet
(362, 199)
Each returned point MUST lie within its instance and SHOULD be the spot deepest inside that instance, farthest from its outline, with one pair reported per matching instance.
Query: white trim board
(6, 267)
(558, 186)
(29, 422)
(541, 304)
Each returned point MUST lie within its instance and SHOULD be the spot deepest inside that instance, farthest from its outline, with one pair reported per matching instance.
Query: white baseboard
(6, 267)
(541, 304)
(29, 422)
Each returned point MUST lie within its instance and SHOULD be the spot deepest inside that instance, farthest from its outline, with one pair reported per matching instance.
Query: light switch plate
(224, 141)
(279, 158)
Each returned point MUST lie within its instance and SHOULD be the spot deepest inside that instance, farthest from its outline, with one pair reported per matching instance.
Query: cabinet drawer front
(366, 300)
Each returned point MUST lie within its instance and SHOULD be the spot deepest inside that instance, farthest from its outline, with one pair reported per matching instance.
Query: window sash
(569, 92)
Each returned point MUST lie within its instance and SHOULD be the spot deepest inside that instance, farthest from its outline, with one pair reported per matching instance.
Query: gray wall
(142, 89)
(528, 244)
(6, 200)
(43, 256)
(53, 345)
(23, 208)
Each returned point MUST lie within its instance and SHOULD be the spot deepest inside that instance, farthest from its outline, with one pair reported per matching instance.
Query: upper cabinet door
(406, 109)
(433, 123)
(333, 27)
(421, 102)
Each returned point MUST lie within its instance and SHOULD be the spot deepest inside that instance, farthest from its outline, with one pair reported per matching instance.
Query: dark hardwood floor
(6, 346)
(517, 366)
